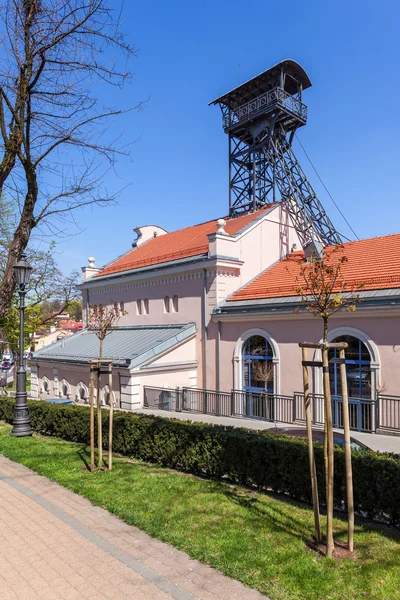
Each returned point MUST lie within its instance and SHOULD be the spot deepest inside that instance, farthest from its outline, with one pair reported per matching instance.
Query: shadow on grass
(280, 517)
(250, 500)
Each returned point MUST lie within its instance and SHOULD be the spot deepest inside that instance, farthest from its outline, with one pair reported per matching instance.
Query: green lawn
(256, 538)
(11, 388)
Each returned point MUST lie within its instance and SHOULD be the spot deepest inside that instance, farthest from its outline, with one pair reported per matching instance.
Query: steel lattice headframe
(261, 117)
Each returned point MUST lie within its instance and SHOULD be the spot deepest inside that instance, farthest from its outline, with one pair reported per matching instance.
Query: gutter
(390, 303)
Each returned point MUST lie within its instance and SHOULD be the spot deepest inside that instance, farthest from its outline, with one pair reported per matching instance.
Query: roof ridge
(185, 242)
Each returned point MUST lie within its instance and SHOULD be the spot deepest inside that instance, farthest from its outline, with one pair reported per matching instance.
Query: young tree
(325, 291)
(9, 327)
(264, 372)
(47, 284)
(56, 134)
(102, 319)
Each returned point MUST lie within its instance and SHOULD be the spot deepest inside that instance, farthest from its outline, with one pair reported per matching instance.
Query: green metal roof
(127, 347)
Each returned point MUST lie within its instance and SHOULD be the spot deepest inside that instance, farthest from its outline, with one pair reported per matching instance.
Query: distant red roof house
(70, 325)
(375, 262)
(183, 243)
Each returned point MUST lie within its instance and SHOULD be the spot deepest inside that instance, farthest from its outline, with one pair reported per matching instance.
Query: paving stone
(55, 545)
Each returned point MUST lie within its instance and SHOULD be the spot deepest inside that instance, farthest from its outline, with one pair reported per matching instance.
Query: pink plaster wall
(264, 243)
(188, 287)
(383, 331)
(74, 375)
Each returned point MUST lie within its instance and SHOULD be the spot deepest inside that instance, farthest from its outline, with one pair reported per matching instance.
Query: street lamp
(21, 423)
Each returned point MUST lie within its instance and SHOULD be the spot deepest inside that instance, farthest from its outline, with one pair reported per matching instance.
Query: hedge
(260, 459)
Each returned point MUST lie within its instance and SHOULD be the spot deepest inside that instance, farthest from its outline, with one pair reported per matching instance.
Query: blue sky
(190, 52)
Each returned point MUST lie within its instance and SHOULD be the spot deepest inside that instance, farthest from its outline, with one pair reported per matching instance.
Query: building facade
(222, 297)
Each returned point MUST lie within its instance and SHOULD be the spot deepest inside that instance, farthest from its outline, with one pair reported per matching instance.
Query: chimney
(90, 271)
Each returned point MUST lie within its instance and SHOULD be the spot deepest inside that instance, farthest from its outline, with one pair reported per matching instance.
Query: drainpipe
(205, 336)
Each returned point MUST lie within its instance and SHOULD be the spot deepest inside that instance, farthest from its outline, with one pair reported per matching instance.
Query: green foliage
(74, 308)
(251, 458)
(9, 325)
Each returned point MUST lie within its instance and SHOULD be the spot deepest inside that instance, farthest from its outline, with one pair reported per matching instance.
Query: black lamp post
(21, 423)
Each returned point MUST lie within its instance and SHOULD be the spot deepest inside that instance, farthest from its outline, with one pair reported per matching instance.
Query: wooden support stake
(91, 400)
(311, 457)
(329, 441)
(347, 447)
(99, 424)
(110, 427)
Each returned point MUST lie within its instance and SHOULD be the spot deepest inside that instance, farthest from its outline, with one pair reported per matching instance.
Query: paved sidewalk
(55, 545)
(375, 441)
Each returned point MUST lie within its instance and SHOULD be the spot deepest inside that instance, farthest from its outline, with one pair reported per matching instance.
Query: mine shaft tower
(261, 117)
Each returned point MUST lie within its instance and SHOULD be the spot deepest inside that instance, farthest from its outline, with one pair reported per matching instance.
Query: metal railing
(388, 412)
(317, 408)
(263, 405)
(361, 414)
(365, 415)
(162, 398)
(275, 97)
(209, 402)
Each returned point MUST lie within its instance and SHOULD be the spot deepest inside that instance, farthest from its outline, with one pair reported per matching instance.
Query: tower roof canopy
(265, 81)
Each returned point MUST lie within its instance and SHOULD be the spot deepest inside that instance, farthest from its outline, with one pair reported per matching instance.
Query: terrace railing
(365, 415)
(162, 398)
(388, 413)
(263, 103)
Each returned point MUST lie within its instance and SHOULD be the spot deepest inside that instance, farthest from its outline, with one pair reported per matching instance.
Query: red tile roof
(374, 262)
(183, 243)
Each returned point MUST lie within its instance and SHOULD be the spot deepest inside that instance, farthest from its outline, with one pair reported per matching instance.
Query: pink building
(208, 306)
(211, 319)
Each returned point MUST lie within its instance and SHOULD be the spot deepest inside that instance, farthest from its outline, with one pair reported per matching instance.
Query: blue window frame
(257, 363)
(358, 368)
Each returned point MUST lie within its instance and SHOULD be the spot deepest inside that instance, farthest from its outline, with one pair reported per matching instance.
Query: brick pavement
(55, 545)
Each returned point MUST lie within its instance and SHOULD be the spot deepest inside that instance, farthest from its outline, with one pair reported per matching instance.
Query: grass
(11, 388)
(256, 538)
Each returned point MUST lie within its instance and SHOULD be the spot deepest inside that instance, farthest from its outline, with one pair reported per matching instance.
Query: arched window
(257, 364)
(65, 390)
(167, 304)
(175, 304)
(138, 307)
(82, 392)
(105, 396)
(146, 306)
(358, 368)
(45, 385)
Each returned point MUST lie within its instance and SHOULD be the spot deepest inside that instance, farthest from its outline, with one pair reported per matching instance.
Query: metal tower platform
(261, 117)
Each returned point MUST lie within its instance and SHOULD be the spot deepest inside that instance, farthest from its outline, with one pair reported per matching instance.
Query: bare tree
(264, 372)
(326, 290)
(102, 319)
(54, 132)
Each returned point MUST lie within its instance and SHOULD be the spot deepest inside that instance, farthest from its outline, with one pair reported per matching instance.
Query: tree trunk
(91, 399)
(311, 457)
(325, 340)
(18, 244)
(347, 447)
(110, 429)
(16, 363)
(99, 423)
(329, 438)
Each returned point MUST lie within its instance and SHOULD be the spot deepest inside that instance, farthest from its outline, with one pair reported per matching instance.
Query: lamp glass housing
(22, 271)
